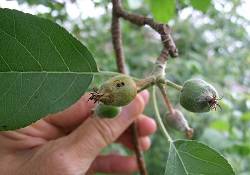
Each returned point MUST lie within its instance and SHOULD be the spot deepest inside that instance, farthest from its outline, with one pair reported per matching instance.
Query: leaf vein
(57, 51)
(39, 64)
(195, 157)
(35, 91)
(6, 62)
(178, 155)
(68, 88)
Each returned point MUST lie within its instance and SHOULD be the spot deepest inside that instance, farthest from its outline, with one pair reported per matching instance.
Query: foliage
(212, 46)
(42, 69)
(192, 157)
(163, 10)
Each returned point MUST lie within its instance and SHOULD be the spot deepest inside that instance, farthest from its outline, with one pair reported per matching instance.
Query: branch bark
(117, 38)
(120, 61)
(169, 49)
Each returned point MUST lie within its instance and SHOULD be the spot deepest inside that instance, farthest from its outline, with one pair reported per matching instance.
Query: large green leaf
(41, 68)
(163, 10)
(201, 5)
(188, 157)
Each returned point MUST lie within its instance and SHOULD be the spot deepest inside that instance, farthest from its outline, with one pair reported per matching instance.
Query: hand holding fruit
(69, 142)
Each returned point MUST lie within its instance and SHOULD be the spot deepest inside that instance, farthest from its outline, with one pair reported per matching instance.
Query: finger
(13, 141)
(114, 164)
(145, 127)
(72, 116)
(95, 133)
(144, 143)
(42, 129)
(145, 95)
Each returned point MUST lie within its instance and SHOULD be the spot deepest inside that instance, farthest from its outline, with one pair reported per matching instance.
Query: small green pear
(107, 111)
(118, 91)
(198, 96)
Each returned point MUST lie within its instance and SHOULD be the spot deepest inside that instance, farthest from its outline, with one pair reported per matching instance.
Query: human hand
(70, 142)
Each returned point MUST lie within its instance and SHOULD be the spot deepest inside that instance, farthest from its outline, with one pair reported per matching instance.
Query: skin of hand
(70, 142)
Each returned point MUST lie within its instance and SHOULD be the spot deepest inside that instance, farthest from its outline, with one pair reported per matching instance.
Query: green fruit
(118, 91)
(198, 96)
(107, 111)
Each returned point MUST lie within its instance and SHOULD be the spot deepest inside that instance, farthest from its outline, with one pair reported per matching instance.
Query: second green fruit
(198, 96)
(107, 111)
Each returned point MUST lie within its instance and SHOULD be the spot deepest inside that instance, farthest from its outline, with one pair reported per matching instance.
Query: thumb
(96, 133)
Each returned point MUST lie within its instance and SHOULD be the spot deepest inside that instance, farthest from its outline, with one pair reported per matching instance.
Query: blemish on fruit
(117, 91)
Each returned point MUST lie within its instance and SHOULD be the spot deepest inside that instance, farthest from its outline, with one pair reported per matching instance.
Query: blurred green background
(213, 38)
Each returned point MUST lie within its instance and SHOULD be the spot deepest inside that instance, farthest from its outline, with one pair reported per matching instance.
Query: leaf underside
(188, 157)
(41, 69)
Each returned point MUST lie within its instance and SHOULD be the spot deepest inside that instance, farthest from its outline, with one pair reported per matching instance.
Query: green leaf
(201, 5)
(163, 10)
(41, 69)
(188, 157)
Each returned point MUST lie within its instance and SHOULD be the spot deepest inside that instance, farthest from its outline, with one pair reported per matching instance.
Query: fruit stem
(171, 84)
(158, 117)
(166, 99)
(145, 83)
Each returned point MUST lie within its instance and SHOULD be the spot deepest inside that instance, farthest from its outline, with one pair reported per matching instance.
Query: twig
(117, 38)
(120, 60)
(158, 73)
(166, 99)
(163, 29)
(170, 83)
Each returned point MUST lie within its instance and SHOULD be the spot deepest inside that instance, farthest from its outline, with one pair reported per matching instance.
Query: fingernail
(145, 95)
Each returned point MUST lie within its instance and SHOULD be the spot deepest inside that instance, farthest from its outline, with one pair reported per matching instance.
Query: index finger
(74, 115)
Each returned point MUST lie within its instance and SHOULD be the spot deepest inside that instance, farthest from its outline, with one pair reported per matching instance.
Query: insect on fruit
(213, 102)
(117, 91)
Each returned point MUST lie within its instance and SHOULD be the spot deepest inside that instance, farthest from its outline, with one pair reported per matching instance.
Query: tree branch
(120, 61)
(158, 73)
(117, 38)
(169, 47)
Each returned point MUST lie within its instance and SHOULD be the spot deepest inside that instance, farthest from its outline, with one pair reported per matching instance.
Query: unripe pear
(198, 96)
(117, 91)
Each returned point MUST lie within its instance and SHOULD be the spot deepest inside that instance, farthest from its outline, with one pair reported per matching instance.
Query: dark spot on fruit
(118, 85)
(117, 91)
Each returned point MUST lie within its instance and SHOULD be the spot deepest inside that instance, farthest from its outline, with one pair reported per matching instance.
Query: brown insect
(213, 103)
(95, 95)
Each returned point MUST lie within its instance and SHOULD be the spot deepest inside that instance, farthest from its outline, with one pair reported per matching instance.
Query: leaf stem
(158, 117)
